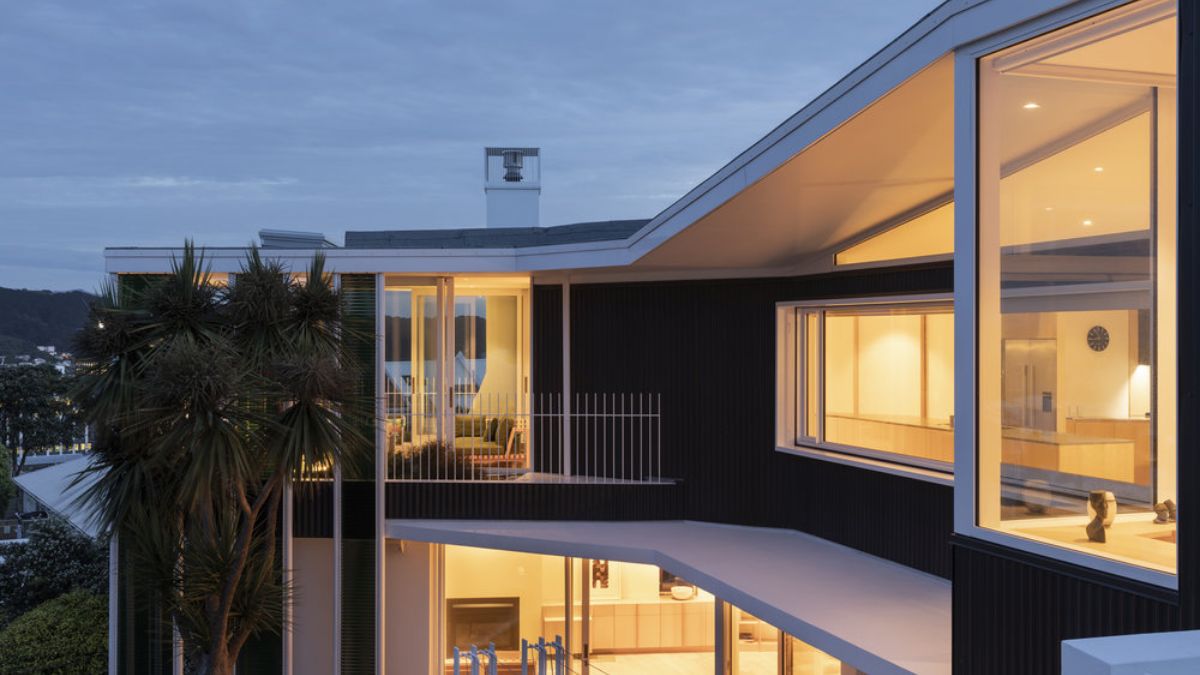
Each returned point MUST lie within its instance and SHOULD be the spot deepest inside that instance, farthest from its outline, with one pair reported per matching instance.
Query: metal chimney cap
(513, 161)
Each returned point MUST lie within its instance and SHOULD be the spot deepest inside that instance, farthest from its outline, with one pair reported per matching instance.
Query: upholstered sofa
(482, 438)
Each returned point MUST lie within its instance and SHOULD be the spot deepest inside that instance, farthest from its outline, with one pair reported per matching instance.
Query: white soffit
(892, 157)
(876, 615)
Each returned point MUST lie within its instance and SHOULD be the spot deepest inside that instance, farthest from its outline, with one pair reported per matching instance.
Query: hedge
(67, 635)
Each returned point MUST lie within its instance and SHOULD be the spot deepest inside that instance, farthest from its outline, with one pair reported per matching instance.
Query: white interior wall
(839, 365)
(889, 365)
(939, 365)
(500, 380)
(486, 573)
(312, 637)
(1091, 383)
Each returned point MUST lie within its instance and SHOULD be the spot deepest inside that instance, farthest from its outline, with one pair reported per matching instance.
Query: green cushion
(504, 427)
(474, 445)
(468, 426)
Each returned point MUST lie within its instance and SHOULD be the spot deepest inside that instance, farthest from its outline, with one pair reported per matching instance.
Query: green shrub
(68, 635)
(57, 559)
(8, 488)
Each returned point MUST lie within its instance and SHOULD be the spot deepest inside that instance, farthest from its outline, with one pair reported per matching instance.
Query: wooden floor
(692, 663)
(1138, 540)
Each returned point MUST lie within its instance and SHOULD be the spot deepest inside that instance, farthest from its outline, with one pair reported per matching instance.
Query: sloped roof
(52, 487)
(496, 237)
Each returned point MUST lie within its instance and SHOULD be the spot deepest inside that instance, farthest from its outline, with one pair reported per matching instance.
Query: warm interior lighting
(1031, 106)
(1076, 309)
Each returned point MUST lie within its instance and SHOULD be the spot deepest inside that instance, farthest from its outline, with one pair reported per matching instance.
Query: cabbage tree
(208, 400)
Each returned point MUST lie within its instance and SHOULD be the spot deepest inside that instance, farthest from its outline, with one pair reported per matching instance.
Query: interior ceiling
(1148, 49)
(894, 156)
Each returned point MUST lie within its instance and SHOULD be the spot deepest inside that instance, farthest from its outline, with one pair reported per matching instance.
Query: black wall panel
(708, 347)
(1012, 610)
(1188, 280)
(535, 501)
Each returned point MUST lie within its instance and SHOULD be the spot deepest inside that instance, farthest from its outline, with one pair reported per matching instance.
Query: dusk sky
(144, 122)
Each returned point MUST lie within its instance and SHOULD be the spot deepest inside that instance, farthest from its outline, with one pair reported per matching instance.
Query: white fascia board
(229, 260)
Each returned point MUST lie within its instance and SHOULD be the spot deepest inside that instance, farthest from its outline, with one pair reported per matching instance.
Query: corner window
(1076, 304)
(930, 233)
(869, 379)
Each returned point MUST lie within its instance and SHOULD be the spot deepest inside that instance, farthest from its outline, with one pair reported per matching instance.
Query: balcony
(540, 438)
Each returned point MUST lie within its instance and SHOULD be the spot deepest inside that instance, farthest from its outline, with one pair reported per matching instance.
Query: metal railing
(480, 436)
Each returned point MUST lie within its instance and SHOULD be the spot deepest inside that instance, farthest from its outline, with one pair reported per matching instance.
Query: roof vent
(512, 181)
(293, 239)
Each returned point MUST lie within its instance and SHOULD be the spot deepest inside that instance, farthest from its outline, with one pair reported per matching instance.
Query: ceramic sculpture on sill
(1098, 507)
(1165, 512)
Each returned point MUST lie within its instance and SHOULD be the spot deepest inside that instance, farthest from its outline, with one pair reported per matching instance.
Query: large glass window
(931, 233)
(1076, 305)
(455, 377)
(874, 379)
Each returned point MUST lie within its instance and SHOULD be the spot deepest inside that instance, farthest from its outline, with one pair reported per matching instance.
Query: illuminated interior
(636, 624)
(930, 233)
(875, 379)
(641, 618)
(1076, 286)
(456, 372)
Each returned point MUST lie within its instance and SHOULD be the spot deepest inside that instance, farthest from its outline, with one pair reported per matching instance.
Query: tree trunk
(217, 662)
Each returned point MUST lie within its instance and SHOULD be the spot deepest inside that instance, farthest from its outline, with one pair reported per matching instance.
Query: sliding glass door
(455, 385)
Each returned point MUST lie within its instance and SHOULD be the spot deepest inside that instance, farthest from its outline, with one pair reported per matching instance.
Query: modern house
(906, 386)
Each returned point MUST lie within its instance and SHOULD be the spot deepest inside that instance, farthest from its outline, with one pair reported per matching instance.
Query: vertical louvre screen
(358, 492)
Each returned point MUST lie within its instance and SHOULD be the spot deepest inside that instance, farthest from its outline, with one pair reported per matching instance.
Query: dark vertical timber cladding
(358, 484)
(709, 348)
(506, 500)
(1188, 242)
(1013, 610)
(313, 509)
(143, 630)
(547, 375)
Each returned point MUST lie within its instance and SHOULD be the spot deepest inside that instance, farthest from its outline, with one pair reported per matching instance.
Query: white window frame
(791, 376)
(966, 288)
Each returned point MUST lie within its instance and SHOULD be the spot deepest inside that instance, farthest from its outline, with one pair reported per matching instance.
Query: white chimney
(512, 181)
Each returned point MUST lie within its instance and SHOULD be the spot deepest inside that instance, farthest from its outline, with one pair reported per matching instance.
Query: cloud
(141, 122)
(187, 182)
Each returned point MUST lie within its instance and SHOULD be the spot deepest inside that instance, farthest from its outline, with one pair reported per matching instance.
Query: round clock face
(1098, 338)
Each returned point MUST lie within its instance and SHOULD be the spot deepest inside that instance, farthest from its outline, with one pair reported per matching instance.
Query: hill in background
(31, 318)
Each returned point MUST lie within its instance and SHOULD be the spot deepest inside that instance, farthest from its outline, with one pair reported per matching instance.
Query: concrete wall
(410, 636)
(313, 611)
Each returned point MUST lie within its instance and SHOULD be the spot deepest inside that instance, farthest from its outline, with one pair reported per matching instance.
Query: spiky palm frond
(206, 403)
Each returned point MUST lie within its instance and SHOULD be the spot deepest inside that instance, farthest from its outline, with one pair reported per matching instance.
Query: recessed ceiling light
(1099, 169)
(1049, 208)
(1087, 223)
(1031, 106)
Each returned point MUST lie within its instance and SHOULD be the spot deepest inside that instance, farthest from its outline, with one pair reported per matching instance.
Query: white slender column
(566, 375)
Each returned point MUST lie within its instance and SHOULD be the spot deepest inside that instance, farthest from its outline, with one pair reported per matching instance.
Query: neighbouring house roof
(876, 615)
(496, 237)
(53, 488)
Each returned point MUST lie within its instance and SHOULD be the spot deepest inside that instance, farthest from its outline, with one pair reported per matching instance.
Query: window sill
(894, 468)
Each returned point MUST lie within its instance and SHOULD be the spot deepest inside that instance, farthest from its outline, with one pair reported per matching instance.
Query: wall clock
(1097, 338)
